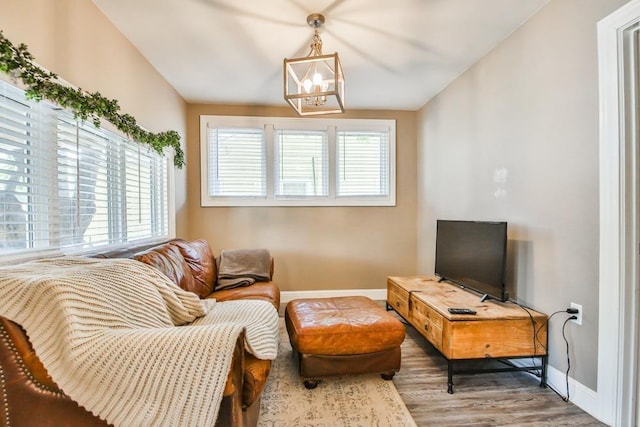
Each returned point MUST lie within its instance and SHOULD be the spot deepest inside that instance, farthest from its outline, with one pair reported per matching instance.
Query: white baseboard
(579, 394)
(374, 294)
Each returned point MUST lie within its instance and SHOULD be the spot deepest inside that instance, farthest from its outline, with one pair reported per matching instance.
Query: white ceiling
(396, 54)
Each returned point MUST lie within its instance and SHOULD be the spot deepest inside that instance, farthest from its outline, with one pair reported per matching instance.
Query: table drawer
(428, 313)
(398, 299)
(430, 329)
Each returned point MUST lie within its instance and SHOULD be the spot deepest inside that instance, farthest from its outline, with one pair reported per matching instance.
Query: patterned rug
(348, 401)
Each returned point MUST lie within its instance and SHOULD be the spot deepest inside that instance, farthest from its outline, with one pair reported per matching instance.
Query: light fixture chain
(316, 45)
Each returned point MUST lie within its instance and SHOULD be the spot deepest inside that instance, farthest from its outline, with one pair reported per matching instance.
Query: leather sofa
(31, 397)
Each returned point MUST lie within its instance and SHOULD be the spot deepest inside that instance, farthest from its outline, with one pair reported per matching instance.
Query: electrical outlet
(578, 315)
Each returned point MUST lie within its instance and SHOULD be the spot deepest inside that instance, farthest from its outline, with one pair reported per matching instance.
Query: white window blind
(363, 164)
(66, 184)
(237, 162)
(275, 161)
(146, 199)
(302, 163)
(24, 193)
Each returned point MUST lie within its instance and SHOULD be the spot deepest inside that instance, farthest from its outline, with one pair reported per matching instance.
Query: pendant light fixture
(314, 84)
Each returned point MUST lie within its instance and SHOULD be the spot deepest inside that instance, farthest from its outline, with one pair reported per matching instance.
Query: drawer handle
(426, 326)
(397, 303)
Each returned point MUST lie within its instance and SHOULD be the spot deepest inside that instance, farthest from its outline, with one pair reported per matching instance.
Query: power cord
(568, 358)
(571, 311)
(535, 339)
(566, 376)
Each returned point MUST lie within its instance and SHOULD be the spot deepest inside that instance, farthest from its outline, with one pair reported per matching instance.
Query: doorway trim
(618, 299)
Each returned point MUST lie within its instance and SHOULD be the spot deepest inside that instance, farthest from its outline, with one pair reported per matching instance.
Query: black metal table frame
(537, 370)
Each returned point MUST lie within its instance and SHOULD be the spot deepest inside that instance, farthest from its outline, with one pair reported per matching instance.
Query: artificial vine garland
(41, 84)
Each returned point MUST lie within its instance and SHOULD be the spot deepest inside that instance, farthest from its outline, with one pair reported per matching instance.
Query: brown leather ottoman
(343, 335)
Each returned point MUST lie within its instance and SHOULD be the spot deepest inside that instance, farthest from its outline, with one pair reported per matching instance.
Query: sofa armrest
(27, 355)
(31, 398)
(230, 413)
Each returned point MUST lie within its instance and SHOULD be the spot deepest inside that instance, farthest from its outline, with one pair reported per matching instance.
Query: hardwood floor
(504, 399)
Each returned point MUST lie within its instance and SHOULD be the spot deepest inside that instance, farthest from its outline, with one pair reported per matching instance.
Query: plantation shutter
(362, 163)
(278, 161)
(237, 162)
(302, 163)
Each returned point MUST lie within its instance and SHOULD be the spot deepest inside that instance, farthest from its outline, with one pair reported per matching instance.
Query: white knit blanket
(107, 332)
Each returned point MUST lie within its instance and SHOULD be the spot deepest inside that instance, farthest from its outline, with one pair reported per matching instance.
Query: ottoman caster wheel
(311, 384)
(387, 376)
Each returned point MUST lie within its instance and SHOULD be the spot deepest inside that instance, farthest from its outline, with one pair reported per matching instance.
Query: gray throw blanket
(242, 267)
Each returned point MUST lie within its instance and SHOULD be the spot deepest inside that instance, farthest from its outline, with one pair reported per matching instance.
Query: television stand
(498, 332)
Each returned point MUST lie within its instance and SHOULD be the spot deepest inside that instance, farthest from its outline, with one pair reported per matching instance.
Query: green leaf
(41, 84)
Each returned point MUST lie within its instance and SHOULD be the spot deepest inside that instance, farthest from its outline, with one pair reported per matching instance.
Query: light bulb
(317, 79)
(307, 85)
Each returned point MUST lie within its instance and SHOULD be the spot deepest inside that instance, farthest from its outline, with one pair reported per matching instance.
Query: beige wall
(316, 248)
(73, 39)
(529, 108)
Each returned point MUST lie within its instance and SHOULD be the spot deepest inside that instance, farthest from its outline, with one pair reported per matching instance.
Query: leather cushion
(169, 260)
(266, 291)
(199, 258)
(341, 326)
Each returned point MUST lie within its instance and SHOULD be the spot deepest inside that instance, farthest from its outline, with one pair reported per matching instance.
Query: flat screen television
(473, 254)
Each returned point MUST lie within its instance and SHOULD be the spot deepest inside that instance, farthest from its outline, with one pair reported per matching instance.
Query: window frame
(270, 125)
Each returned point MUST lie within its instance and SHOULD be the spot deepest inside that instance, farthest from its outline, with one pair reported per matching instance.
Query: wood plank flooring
(504, 399)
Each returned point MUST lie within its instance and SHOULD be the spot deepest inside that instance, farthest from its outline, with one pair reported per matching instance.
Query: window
(237, 162)
(268, 161)
(363, 163)
(302, 159)
(65, 184)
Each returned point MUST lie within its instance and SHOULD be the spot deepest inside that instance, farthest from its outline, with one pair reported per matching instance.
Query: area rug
(346, 401)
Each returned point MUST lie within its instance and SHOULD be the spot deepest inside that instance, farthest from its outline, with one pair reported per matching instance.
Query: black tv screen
(473, 254)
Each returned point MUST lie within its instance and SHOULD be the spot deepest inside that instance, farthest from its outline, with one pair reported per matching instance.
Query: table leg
(450, 376)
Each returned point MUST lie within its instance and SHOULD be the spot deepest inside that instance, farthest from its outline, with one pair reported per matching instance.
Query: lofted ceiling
(395, 54)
